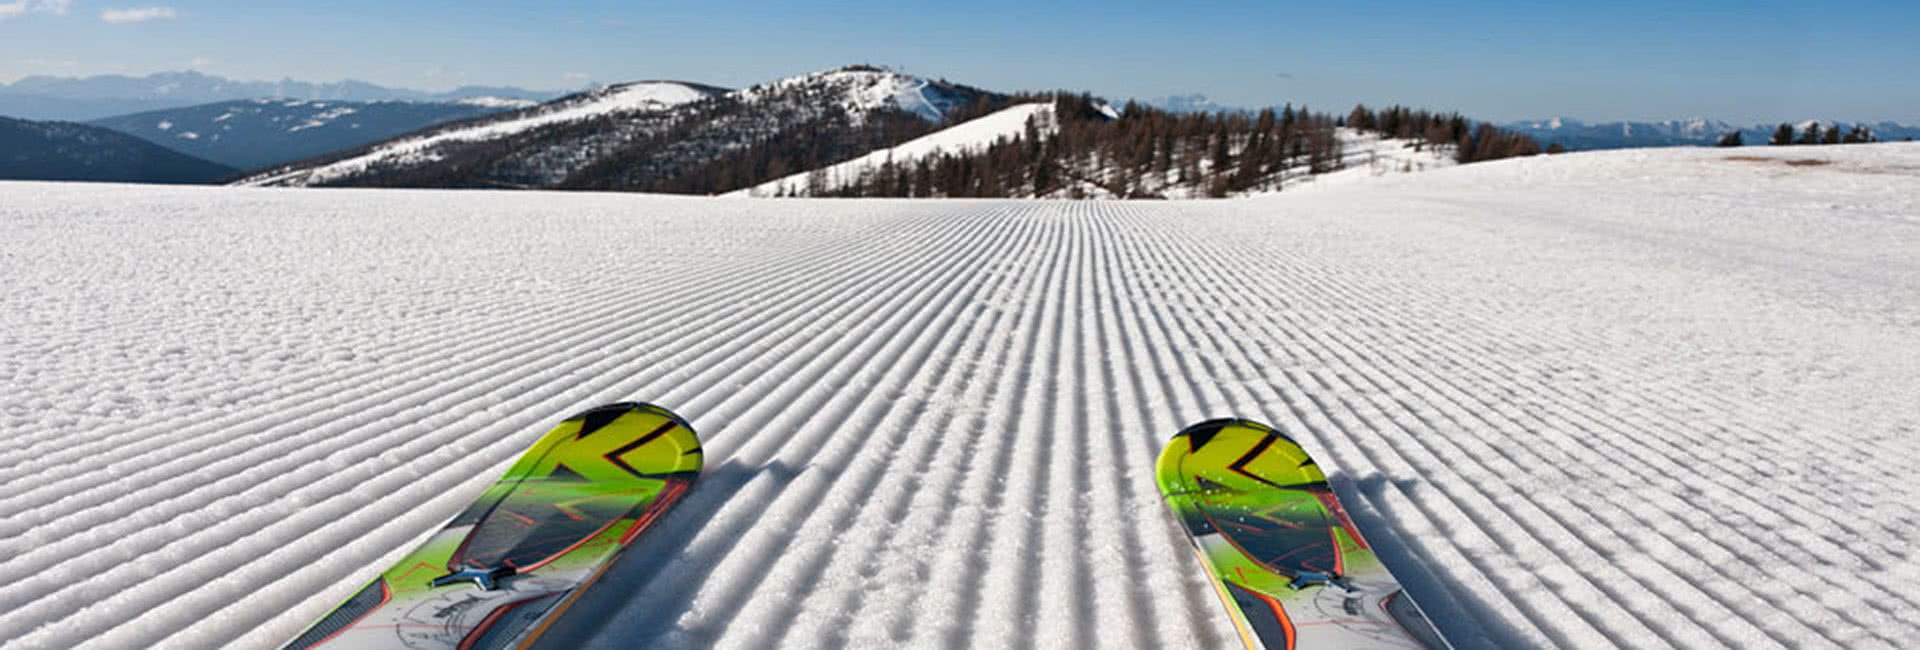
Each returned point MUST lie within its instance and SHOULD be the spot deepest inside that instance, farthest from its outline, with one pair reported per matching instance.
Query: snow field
(1646, 399)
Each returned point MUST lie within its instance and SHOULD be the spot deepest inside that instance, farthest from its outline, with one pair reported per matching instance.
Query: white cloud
(137, 14)
(24, 7)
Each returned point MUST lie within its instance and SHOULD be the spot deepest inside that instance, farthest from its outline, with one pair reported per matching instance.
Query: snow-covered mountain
(31, 150)
(656, 135)
(257, 133)
(1577, 135)
(1189, 103)
(96, 97)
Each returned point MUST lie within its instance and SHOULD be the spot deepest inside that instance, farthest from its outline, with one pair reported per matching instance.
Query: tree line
(1144, 152)
(1814, 134)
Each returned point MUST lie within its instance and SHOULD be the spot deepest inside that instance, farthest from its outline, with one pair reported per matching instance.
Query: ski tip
(616, 409)
(1200, 433)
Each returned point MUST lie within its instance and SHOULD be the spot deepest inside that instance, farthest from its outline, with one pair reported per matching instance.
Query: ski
(504, 569)
(1287, 563)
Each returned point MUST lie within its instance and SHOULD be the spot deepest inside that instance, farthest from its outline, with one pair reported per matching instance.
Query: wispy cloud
(200, 62)
(137, 14)
(24, 7)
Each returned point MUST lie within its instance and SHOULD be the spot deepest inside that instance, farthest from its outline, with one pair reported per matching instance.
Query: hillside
(78, 152)
(971, 136)
(1081, 147)
(861, 131)
(655, 136)
(1540, 386)
(256, 133)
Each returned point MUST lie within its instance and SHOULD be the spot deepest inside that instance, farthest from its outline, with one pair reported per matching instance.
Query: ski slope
(1649, 398)
(971, 136)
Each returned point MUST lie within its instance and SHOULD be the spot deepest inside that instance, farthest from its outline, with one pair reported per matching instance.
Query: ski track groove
(377, 392)
(930, 503)
(1159, 421)
(1477, 526)
(803, 555)
(124, 563)
(1573, 406)
(768, 414)
(830, 618)
(1541, 533)
(987, 553)
(927, 424)
(1136, 442)
(510, 449)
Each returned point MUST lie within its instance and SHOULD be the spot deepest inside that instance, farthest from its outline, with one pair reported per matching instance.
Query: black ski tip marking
(618, 407)
(1198, 435)
(598, 419)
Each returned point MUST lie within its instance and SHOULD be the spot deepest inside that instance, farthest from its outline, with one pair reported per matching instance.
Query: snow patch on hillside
(496, 102)
(974, 135)
(1366, 156)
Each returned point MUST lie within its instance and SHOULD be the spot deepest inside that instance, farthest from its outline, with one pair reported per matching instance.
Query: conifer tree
(1782, 135)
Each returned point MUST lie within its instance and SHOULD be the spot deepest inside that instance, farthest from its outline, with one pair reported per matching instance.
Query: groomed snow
(973, 135)
(1646, 398)
(639, 96)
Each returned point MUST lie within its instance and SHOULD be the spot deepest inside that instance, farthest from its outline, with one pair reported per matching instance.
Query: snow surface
(974, 135)
(639, 96)
(1643, 398)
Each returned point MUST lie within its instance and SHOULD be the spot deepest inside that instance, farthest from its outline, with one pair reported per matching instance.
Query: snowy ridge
(614, 100)
(974, 135)
(1536, 383)
(497, 102)
(859, 90)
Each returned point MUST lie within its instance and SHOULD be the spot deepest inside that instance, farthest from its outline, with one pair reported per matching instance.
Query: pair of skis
(1290, 567)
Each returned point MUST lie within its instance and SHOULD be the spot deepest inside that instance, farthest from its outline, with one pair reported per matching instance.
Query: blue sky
(1742, 61)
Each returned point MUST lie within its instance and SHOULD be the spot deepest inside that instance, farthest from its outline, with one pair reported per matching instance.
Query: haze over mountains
(1578, 135)
(90, 98)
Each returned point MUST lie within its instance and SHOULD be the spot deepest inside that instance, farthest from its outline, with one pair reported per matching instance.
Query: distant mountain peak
(864, 88)
(1691, 131)
(87, 98)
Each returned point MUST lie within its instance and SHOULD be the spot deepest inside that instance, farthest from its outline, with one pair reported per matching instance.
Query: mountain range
(665, 136)
(69, 151)
(96, 97)
(1577, 135)
(261, 132)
